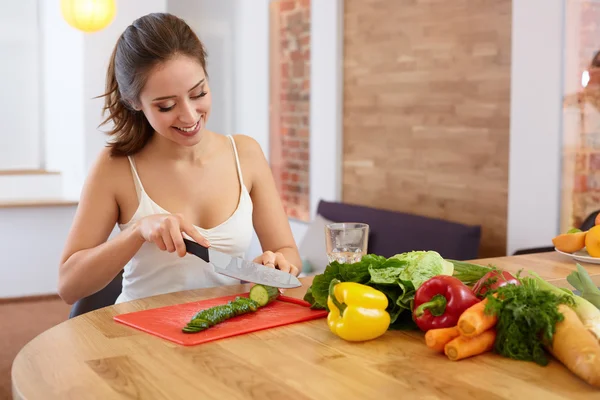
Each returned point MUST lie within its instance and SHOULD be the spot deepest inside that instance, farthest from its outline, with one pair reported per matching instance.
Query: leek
(586, 311)
(582, 281)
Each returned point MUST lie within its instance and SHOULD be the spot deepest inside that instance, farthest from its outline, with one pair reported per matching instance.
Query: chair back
(590, 221)
(103, 298)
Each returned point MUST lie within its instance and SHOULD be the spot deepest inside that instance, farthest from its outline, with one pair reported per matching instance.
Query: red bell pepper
(493, 280)
(440, 301)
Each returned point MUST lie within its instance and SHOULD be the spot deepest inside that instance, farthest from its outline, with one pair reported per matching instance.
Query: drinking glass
(346, 242)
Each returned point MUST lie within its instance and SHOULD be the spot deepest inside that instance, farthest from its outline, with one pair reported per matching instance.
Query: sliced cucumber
(212, 316)
(263, 295)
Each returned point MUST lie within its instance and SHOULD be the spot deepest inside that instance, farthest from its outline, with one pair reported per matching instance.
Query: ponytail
(131, 130)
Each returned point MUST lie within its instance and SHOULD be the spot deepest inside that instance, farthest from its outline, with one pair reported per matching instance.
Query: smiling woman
(164, 177)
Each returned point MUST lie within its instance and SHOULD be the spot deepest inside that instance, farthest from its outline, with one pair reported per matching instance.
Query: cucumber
(263, 295)
(206, 318)
(260, 296)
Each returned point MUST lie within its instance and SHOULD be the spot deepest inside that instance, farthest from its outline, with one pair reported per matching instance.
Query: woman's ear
(133, 106)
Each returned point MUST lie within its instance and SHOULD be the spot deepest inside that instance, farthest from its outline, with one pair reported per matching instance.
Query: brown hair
(148, 41)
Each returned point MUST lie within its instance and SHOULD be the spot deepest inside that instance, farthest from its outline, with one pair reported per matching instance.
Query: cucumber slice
(263, 295)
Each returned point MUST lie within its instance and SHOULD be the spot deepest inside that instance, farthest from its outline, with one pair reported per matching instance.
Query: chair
(533, 250)
(102, 298)
(590, 221)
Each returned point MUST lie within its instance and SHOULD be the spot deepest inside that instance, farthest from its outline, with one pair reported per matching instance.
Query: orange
(592, 241)
(570, 242)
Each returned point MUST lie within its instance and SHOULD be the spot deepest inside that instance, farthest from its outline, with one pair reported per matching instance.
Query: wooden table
(93, 357)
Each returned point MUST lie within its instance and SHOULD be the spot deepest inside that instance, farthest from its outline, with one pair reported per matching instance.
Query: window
(20, 144)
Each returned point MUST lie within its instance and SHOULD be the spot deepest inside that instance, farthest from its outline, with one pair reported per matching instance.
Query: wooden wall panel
(426, 110)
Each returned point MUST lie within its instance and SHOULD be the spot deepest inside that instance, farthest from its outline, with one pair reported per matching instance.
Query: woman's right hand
(165, 230)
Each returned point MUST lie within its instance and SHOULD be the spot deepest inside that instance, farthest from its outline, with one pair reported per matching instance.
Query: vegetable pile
(464, 309)
(398, 277)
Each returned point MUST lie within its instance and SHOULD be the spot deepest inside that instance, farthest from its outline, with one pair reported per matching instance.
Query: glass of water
(346, 242)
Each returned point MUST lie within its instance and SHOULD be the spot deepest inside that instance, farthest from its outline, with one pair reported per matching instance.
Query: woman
(164, 176)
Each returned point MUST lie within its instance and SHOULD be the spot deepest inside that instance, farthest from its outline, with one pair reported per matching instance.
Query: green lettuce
(422, 265)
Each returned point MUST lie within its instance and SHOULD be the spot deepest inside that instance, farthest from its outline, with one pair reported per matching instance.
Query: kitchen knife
(241, 269)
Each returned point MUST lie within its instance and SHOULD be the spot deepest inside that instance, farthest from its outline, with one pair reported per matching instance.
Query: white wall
(32, 242)
(535, 127)
(19, 85)
(62, 94)
(326, 91)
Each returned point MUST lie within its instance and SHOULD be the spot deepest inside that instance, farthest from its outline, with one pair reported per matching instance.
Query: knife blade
(241, 269)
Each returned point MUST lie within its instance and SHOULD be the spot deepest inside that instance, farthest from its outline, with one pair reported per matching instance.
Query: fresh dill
(527, 318)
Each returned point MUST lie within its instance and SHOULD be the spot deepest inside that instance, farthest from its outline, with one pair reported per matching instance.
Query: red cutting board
(167, 322)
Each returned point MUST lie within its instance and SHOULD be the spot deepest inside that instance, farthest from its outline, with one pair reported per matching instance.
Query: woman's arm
(89, 262)
(270, 221)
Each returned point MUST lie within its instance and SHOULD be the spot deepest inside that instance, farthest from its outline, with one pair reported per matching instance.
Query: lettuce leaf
(357, 272)
(423, 265)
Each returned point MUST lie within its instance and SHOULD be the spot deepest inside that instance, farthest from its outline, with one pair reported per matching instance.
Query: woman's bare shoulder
(252, 159)
(106, 163)
(110, 171)
(247, 146)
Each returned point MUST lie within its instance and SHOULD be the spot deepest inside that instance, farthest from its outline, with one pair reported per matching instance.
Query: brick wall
(290, 99)
(427, 110)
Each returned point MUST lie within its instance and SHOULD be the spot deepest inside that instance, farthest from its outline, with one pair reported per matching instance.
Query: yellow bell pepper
(356, 312)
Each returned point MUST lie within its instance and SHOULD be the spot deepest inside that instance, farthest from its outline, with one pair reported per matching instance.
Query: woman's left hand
(277, 261)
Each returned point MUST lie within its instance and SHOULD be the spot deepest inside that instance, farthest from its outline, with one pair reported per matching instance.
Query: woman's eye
(165, 109)
(198, 96)
(169, 108)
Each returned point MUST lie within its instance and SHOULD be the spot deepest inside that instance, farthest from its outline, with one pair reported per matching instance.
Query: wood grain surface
(93, 357)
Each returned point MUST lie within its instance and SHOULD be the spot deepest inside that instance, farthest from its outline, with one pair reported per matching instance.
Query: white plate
(581, 255)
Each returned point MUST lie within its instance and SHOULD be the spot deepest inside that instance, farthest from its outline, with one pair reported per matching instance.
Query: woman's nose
(188, 113)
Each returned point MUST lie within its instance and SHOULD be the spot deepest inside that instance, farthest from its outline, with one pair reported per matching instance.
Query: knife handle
(196, 249)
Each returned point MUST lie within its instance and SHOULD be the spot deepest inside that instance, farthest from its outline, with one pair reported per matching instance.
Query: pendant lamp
(88, 15)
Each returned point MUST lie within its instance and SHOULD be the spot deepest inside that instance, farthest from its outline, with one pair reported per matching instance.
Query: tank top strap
(237, 160)
(139, 189)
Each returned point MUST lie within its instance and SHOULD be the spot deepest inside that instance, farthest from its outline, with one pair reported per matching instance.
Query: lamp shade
(88, 15)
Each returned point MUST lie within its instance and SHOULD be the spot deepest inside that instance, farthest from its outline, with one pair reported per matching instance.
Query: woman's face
(176, 100)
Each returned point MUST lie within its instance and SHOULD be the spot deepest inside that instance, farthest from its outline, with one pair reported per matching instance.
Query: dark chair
(590, 221)
(533, 250)
(102, 298)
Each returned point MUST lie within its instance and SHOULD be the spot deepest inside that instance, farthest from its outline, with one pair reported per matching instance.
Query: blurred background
(480, 114)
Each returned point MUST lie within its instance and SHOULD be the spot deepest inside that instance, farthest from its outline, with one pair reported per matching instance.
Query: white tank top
(153, 271)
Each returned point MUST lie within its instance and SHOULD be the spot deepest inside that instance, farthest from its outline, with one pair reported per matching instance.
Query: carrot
(436, 339)
(463, 347)
(576, 347)
(473, 321)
